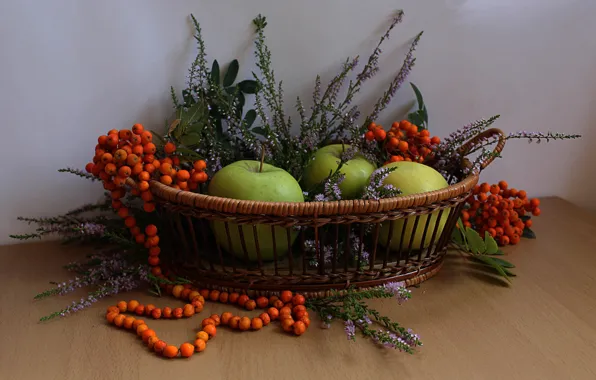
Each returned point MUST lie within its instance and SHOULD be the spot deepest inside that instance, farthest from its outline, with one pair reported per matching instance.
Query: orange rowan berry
(256, 323)
(169, 148)
(170, 351)
(494, 189)
(234, 322)
(528, 223)
(200, 165)
(159, 346)
(305, 320)
(166, 180)
(186, 350)
(122, 306)
(522, 194)
(167, 312)
(151, 342)
(250, 305)
(200, 177)
(214, 295)
(278, 304)
(225, 318)
(140, 310)
(535, 202)
(183, 176)
(403, 146)
(435, 140)
(285, 311)
(141, 329)
(273, 313)
(536, 211)
(112, 140)
(119, 320)
(299, 328)
(146, 334)
(369, 136)
(298, 299)
(262, 302)
(132, 305)
(286, 296)
(200, 345)
(272, 300)
(149, 206)
(188, 310)
(110, 316)
(484, 187)
(244, 324)
(137, 129)
(287, 324)
(242, 299)
(156, 313)
(211, 330)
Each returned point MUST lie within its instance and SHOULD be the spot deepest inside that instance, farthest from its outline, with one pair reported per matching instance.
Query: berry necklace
(289, 309)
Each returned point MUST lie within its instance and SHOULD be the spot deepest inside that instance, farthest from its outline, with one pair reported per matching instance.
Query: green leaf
(475, 242)
(190, 139)
(231, 74)
(160, 140)
(416, 119)
(260, 131)
(425, 116)
(249, 118)
(419, 98)
(498, 253)
(525, 218)
(218, 127)
(491, 245)
(490, 262)
(249, 86)
(528, 233)
(215, 72)
(188, 153)
(503, 263)
(456, 236)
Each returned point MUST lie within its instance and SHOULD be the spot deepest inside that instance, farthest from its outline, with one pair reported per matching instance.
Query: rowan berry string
(288, 308)
(131, 153)
(501, 211)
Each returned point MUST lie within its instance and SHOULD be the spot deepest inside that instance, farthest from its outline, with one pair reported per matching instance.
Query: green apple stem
(262, 158)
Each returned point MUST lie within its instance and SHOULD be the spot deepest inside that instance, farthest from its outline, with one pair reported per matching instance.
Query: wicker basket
(329, 245)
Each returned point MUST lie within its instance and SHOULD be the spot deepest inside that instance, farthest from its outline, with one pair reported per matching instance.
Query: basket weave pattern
(332, 261)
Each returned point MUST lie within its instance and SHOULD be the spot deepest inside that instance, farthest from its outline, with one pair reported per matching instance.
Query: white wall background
(71, 70)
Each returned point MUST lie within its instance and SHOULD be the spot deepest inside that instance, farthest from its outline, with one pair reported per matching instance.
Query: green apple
(414, 178)
(326, 160)
(243, 180)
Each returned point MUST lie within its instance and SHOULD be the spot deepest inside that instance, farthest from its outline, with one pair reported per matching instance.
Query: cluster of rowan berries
(125, 154)
(501, 211)
(403, 142)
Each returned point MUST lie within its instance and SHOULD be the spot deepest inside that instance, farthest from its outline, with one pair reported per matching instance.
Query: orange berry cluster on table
(501, 211)
(124, 154)
(404, 142)
(288, 308)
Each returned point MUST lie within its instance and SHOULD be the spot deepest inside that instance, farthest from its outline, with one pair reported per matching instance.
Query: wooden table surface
(472, 326)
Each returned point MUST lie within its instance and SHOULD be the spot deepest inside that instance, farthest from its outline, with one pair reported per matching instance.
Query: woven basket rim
(312, 208)
(325, 208)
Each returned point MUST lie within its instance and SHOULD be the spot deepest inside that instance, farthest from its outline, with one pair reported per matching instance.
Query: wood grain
(472, 325)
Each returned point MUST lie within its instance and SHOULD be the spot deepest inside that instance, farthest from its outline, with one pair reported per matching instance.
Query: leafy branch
(481, 250)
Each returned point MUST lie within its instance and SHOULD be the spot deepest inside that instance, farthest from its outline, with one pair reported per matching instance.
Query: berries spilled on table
(505, 213)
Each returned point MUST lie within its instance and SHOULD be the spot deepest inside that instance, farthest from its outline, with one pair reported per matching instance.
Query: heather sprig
(377, 189)
(355, 313)
(395, 84)
(79, 173)
(111, 271)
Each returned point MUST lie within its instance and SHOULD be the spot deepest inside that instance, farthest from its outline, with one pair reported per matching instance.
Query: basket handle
(478, 139)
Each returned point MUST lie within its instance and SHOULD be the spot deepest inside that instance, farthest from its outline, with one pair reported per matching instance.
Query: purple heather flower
(399, 290)
(350, 329)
